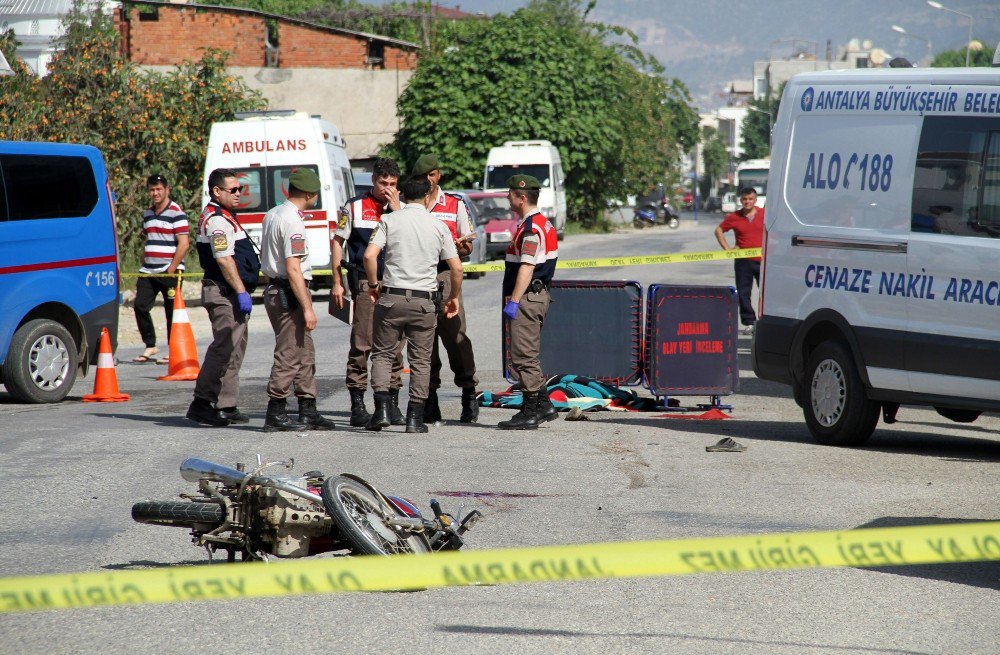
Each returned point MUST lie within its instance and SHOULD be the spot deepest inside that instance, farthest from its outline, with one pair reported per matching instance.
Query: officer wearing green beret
(450, 209)
(285, 261)
(530, 265)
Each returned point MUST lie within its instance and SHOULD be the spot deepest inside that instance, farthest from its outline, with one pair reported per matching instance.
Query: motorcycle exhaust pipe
(194, 469)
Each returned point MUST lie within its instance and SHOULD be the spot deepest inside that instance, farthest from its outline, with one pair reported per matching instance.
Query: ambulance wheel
(838, 412)
(41, 363)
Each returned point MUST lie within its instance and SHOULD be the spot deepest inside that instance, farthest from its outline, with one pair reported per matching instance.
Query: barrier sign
(691, 337)
(926, 544)
(593, 329)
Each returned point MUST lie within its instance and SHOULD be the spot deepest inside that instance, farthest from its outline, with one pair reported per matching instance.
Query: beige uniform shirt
(283, 235)
(413, 247)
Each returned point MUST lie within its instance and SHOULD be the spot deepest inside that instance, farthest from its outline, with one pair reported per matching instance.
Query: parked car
(729, 203)
(478, 254)
(362, 183)
(712, 204)
(500, 222)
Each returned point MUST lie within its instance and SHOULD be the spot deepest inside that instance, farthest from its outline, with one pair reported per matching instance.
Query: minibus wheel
(838, 411)
(41, 363)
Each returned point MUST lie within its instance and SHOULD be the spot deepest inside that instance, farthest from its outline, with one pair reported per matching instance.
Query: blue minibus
(58, 266)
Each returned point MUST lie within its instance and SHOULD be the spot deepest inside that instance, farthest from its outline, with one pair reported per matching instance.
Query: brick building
(352, 79)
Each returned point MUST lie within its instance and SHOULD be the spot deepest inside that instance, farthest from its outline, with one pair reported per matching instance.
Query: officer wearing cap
(531, 262)
(284, 253)
(405, 303)
(450, 209)
(231, 269)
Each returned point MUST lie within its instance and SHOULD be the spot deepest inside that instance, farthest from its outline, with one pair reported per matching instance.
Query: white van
(541, 160)
(881, 275)
(264, 148)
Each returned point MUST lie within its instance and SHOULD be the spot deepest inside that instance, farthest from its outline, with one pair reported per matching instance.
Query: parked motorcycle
(261, 517)
(648, 215)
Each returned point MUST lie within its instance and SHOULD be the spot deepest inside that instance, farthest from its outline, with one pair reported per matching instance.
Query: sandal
(146, 357)
(726, 445)
(163, 360)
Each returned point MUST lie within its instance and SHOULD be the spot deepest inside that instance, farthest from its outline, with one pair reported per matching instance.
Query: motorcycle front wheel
(358, 515)
(177, 513)
(673, 223)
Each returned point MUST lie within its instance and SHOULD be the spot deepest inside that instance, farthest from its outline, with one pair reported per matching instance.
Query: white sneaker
(748, 330)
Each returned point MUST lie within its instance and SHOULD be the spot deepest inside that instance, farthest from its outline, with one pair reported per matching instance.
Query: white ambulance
(881, 275)
(541, 160)
(263, 148)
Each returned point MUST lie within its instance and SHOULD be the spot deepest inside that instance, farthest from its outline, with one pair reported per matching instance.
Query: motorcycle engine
(285, 523)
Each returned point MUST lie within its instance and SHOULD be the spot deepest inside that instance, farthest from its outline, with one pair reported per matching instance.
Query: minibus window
(989, 208)
(40, 186)
(497, 176)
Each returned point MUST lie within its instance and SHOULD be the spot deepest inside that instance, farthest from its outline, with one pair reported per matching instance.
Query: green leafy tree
(756, 129)
(981, 56)
(544, 72)
(714, 156)
(143, 122)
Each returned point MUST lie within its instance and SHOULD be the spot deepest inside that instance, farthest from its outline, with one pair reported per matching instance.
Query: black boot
(415, 417)
(311, 417)
(359, 415)
(380, 417)
(527, 418)
(470, 406)
(546, 410)
(278, 420)
(234, 415)
(202, 411)
(432, 410)
(395, 416)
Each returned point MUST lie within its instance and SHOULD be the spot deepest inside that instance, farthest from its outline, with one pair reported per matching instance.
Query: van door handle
(850, 244)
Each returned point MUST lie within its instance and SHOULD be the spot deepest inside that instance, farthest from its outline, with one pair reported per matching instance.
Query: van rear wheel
(837, 410)
(41, 363)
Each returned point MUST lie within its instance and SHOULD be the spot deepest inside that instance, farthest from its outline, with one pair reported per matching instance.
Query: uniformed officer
(531, 262)
(451, 210)
(284, 255)
(231, 269)
(356, 221)
(405, 303)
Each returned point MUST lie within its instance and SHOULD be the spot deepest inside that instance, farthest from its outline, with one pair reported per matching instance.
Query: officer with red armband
(531, 262)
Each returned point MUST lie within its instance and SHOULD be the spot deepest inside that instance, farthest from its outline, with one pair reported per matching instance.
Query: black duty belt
(409, 293)
(224, 288)
(284, 283)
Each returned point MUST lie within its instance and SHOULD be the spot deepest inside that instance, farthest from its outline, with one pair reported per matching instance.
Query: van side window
(989, 209)
(41, 186)
(279, 184)
(956, 182)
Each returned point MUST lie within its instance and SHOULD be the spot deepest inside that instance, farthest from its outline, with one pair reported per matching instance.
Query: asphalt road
(71, 472)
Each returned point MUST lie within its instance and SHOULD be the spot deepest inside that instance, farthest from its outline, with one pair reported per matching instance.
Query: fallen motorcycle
(261, 517)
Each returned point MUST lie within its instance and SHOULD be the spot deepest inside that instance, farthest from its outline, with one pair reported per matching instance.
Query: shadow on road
(909, 442)
(974, 574)
(544, 632)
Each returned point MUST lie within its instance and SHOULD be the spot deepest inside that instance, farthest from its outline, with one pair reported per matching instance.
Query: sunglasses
(234, 190)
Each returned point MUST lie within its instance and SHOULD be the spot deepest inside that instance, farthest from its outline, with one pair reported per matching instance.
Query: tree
(714, 155)
(544, 72)
(756, 128)
(981, 56)
(143, 122)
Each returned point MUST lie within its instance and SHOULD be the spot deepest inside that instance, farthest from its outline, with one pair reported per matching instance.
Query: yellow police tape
(935, 544)
(601, 262)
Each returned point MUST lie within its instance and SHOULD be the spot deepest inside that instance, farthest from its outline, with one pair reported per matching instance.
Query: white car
(729, 204)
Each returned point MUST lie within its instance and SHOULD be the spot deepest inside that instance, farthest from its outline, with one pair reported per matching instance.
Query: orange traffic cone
(106, 380)
(183, 351)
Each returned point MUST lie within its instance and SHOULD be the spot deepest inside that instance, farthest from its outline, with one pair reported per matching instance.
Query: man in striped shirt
(166, 227)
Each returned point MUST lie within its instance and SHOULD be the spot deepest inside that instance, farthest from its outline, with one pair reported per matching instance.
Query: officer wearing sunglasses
(232, 267)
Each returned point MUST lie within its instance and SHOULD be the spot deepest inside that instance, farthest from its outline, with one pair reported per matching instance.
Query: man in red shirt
(748, 224)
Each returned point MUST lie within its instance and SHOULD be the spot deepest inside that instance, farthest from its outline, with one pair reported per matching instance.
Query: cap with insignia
(304, 179)
(524, 183)
(425, 164)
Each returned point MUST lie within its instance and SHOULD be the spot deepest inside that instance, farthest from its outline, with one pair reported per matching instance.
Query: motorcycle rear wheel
(182, 514)
(358, 515)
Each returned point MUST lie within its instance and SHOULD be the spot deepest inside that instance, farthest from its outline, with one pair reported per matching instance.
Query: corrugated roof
(38, 8)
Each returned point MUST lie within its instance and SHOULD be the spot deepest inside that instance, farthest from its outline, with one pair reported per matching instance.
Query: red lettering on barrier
(710, 347)
(692, 328)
